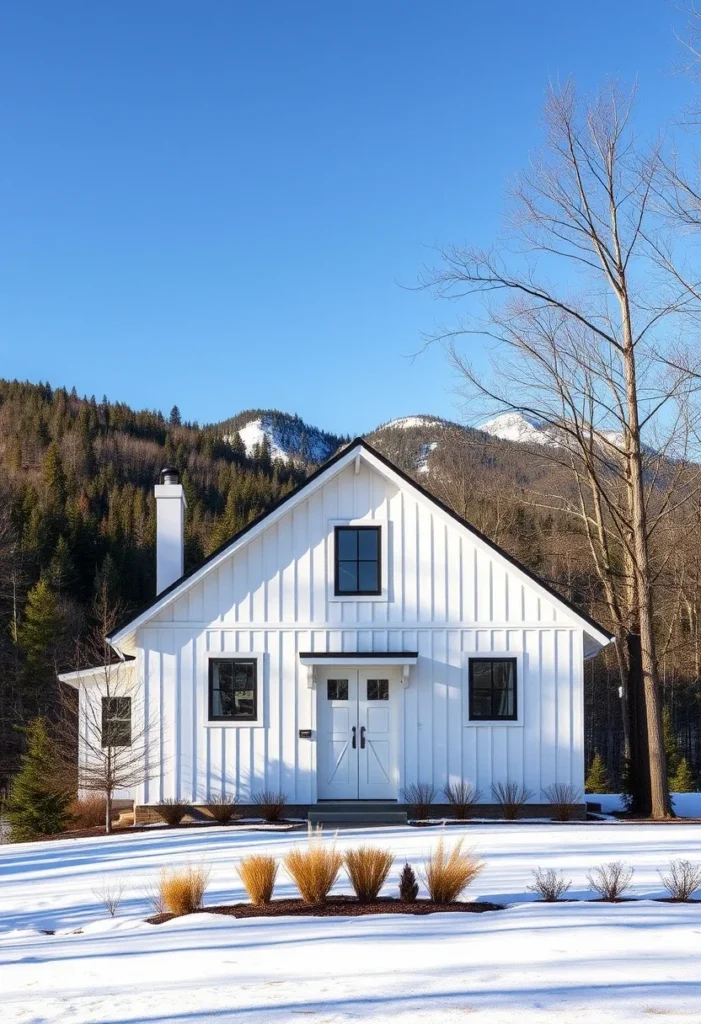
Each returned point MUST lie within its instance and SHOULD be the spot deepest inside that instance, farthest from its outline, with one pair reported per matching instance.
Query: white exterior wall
(449, 594)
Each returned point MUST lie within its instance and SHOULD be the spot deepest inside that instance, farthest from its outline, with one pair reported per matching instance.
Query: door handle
(353, 740)
(362, 737)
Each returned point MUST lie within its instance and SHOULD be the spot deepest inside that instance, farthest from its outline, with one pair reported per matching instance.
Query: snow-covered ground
(532, 963)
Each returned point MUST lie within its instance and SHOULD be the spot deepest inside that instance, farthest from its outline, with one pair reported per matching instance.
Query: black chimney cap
(170, 475)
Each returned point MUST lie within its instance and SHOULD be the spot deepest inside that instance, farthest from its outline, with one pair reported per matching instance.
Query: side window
(233, 690)
(492, 683)
(357, 561)
(116, 721)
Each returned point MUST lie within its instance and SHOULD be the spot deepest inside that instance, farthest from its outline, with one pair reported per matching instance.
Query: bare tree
(111, 719)
(586, 316)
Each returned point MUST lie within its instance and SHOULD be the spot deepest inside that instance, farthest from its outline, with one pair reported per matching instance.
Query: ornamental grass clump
(610, 880)
(683, 880)
(314, 868)
(221, 808)
(88, 811)
(511, 797)
(258, 873)
(462, 796)
(270, 804)
(447, 873)
(172, 811)
(368, 867)
(181, 890)
(564, 800)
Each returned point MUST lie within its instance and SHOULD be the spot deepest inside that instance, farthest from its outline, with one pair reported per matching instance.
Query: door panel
(357, 723)
(337, 717)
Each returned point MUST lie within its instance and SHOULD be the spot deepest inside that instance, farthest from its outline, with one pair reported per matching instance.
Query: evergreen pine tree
(408, 886)
(38, 804)
(597, 780)
(671, 750)
(682, 781)
(40, 636)
(175, 419)
(54, 476)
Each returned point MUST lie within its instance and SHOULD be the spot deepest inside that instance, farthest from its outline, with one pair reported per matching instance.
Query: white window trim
(259, 657)
(383, 523)
(494, 723)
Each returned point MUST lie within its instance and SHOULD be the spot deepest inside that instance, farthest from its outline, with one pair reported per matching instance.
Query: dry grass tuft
(172, 811)
(447, 873)
(564, 799)
(270, 804)
(462, 796)
(258, 873)
(683, 880)
(610, 880)
(88, 811)
(368, 867)
(419, 796)
(181, 890)
(511, 797)
(549, 884)
(314, 868)
(109, 893)
(221, 808)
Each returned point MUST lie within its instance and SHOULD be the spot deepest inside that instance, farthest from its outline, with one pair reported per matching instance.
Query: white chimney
(170, 529)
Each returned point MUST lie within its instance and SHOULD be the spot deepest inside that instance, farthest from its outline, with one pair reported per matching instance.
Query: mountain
(288, 437)
(515, 426)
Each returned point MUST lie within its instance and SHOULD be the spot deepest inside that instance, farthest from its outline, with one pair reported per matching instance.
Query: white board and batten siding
(448, 594)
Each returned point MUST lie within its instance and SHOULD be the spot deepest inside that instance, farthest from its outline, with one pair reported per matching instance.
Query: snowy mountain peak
(407, 422)
(289, 437)
(515, 426)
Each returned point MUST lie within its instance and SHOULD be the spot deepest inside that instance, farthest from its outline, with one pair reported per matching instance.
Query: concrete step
(357, 817)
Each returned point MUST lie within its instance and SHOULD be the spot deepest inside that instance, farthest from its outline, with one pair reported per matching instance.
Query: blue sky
(217, 204)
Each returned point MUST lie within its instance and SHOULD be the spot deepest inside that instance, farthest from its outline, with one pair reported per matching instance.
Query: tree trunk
(638, 757)
(108, 813)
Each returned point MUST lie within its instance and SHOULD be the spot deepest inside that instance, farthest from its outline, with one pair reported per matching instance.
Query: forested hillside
(77, 517)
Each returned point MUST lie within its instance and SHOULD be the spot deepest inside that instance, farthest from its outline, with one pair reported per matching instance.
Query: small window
(357, 560)
(492, 689)
(233, 690)
(378, 689)
(337, 689)
(116, 721)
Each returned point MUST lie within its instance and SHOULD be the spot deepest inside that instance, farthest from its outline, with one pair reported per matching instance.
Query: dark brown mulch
(338, 906)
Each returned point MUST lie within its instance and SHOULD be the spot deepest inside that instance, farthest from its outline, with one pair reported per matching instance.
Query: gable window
(116, 722)
(233, 689)
(492, 683)
(357, 561)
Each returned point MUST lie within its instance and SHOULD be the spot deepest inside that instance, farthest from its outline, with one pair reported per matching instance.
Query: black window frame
(492, 659)
(242, 659)
(114, 721)
(375, 592)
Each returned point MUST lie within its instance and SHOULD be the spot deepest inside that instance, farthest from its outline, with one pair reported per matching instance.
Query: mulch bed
(339, 906)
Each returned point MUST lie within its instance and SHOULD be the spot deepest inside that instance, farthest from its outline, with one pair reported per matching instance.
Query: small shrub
(182, 890)
(511, 797)
(172, 811)
(447, 873)
(367, 868)
(258, 873)
(88, 811)
(683, 880)
(270, 804)
(549, 884)
(109, 893)
(682, 781)
(597, 780)
(419, 796)
(314, 869)
(610, 880)
(408, 886)
(221, 808)
(462, 796)
(564, 799)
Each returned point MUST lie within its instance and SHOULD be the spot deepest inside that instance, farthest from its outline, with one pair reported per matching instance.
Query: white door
(357, 720)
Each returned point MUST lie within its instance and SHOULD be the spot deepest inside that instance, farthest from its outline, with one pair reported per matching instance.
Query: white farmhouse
(356, 639)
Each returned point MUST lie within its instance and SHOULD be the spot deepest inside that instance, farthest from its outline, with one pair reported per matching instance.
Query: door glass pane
(378, 689)
(347, 577)
(337, 689)
(367, 576)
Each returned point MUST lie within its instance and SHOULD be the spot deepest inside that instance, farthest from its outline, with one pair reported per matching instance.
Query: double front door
(357, 718)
